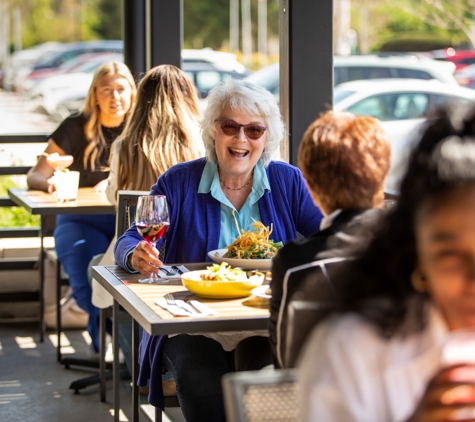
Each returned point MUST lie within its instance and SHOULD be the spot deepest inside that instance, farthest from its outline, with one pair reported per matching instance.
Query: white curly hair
(247, 98)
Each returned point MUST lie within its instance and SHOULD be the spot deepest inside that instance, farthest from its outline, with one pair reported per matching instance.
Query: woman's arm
(39, 176)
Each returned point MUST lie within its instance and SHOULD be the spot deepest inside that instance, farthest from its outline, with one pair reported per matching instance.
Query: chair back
(258, 396)
(315, 279)
(126, 207)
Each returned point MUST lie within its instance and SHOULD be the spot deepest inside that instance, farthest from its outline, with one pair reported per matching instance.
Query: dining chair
(125, 215)
(261, 396)
(316, 279)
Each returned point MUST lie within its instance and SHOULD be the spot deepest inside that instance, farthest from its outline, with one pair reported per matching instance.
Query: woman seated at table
(87, 136)
(380, 358)
(344, 160)
(242, 129)
(162, 130)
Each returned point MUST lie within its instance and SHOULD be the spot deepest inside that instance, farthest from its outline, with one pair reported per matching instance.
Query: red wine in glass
(152, 222)
(152, 233)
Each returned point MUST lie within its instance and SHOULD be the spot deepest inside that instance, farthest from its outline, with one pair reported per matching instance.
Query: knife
(206, 310)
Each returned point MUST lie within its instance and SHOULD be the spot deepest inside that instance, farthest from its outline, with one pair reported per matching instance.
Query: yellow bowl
(219, 289)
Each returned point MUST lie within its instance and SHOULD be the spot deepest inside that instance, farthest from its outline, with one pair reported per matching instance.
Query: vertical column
(262, 32)
(133, 34)
(166, 38)
(306, 67)
(234, 26)
(246, 32)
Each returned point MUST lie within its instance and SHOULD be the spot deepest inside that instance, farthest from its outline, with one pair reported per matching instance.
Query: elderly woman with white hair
(242, 129)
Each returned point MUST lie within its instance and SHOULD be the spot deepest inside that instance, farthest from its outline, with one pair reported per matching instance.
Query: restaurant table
(44, 204)
(138, 299)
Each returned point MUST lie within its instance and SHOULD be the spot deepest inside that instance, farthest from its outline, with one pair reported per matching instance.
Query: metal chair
(126, 205)
(314, 278)
(261, 396)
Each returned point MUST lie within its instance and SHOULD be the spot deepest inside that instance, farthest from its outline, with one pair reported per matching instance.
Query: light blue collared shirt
(210, 183)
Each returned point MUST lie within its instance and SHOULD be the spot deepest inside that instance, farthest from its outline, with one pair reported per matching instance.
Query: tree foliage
(451, 15)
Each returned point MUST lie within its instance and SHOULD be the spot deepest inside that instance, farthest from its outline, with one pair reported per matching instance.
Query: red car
(461, 58)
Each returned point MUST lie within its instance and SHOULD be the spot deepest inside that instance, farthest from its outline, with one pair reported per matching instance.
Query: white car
(368, 67)
(403, 106)
(60, 94)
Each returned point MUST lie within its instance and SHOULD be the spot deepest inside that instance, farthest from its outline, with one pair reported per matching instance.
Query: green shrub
(14, 216)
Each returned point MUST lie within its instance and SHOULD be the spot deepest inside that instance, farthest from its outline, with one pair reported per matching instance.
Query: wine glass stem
(154, 278)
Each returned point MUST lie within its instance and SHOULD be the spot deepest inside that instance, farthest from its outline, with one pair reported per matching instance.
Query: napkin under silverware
(175, 310)
(179, 311)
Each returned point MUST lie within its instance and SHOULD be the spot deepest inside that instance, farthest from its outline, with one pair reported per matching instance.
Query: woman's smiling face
(237, 155)
(445, 234)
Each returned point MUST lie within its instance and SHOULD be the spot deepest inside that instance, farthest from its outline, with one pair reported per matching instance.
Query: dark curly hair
(377, 284)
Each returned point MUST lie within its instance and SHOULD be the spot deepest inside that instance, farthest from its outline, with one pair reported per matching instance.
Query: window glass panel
(372, 106)
(412, 73)
(444, 100)
(468, 60)
(207, 79)
(410, 106)
(356, 73)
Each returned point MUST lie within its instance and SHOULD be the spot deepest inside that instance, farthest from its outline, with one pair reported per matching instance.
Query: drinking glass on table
(152, 222)
(458, 348)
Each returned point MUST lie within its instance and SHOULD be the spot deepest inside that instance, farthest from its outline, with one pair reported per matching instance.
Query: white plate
(247, 264)
(261, 292)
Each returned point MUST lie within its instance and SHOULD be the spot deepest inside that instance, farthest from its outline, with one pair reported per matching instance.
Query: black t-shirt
(70, 137)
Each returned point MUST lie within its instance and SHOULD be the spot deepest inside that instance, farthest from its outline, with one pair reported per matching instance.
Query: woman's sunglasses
(232, 128)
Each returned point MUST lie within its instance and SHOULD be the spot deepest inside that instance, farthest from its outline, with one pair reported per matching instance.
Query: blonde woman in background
(87, 136)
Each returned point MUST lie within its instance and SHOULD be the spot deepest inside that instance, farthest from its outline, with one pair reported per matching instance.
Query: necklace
(242, 187)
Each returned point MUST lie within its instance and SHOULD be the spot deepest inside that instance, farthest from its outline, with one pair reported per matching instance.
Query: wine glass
(59, 162)
(152, 222)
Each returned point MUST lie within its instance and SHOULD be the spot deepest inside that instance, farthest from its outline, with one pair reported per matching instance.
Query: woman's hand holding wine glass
(152, 223)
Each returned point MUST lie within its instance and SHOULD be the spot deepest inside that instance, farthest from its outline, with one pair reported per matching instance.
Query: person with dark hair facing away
(344, 160)
(381, 357)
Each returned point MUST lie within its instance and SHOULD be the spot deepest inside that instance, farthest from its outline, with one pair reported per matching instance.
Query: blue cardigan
(195, 228)
(194, 218)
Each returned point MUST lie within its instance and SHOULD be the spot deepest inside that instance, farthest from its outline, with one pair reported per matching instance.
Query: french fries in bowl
(222, 282)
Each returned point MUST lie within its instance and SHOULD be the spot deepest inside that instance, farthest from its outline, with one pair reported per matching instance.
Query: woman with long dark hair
(379, 358)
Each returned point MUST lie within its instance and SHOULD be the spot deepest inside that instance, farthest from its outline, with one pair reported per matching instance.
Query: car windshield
(341, 94)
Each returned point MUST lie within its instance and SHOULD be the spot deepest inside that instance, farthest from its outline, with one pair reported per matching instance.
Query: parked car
(403, 106)
(69, 66)
(461, 58)
(67, 52)
(23, 59)
(62, 94)
(51, 91)
(367, 67)
(466, 76)
(207, 68)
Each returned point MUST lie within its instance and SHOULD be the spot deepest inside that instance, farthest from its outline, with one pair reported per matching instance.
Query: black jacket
(349, 231)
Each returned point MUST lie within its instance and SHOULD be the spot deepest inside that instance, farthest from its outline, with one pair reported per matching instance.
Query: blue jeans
(197, 364)
(78, 238)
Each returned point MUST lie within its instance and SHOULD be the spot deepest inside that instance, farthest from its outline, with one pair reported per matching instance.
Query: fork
(180, 303)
